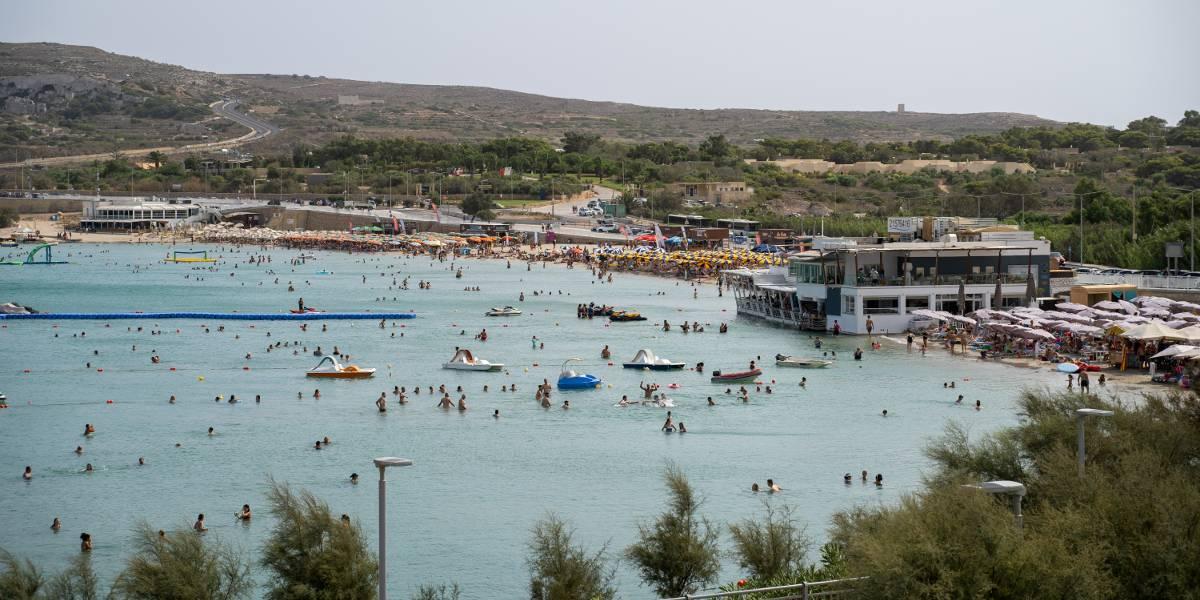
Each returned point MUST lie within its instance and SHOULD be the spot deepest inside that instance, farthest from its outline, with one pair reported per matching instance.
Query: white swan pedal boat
(465, 361)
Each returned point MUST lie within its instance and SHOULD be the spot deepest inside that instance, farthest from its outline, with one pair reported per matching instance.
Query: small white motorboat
(646, 359)
(507, 311)
(802, 362)
(465, 361)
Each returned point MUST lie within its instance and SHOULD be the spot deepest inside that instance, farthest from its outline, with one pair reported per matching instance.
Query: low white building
(843, 285)
(133, 213)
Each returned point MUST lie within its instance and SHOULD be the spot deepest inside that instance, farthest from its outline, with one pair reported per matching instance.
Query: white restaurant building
(844, 283)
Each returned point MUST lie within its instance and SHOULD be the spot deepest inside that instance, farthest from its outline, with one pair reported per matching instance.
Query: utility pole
(1133, 190)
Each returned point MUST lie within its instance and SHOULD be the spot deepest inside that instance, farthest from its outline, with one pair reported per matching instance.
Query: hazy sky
(1102, 61)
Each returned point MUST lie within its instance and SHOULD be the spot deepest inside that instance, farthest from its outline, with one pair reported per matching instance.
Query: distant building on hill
(714, 193)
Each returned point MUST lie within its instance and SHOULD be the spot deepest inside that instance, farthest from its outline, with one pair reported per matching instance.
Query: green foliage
(831, 567)
(181, 565)
(313, 555)
(437, 592)
(21, 579)
(772, 548)
(76, 582)
(677, 553)
(164, 107)
(8, 216)
(477, 204)
(560, 570)
(574, 141)
(1126, 530)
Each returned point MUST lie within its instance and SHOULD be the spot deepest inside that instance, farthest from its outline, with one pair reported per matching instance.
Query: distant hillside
(58, 99)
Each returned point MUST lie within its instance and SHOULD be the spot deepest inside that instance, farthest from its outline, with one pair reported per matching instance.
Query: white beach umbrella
(1174, 350)
(1070, 307)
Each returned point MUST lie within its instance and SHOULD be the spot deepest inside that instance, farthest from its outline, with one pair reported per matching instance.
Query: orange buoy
(108, 401)
(172, 368)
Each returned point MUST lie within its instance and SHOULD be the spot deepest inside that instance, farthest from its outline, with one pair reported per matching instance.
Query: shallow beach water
(463, 512)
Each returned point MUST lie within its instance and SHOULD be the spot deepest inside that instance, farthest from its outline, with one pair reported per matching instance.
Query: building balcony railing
(928, 280)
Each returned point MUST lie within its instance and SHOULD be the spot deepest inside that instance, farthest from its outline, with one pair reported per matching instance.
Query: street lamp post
(1014, 490)
(383, 463)
(254, 187)
(1080, 415)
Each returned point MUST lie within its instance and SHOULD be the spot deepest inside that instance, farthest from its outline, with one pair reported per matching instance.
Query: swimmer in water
(682, 429)
(317, 445)
(199, 525)
(711, 402)
(754, 487)
(212, 431)
(89, 468)
(245, 513)
(381, 403)
(56, 525)
(28, 474)
(771, 485)
(85, 542)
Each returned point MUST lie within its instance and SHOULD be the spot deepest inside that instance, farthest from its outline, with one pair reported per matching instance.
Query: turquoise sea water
(463, 511)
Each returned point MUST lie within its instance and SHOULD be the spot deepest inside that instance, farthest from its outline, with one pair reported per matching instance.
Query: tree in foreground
(437, 592)
(678, 552)
(1128, 529)
(311, 554)
(181, 565)
(22, 580)
(772, 548)
(560, 570)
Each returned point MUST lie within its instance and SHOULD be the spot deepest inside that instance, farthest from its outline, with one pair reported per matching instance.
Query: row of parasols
(1146, 318)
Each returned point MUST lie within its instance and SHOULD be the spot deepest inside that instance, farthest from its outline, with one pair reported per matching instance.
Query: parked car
(605, 229)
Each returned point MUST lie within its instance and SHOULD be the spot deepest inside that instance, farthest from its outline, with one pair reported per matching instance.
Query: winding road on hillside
(259, 129)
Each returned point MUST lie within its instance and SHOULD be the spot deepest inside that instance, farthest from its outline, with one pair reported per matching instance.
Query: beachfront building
(843, 283)
(133, 213)
(712, 193)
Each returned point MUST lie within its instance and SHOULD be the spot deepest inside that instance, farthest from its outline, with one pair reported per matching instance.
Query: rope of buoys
(207, 315)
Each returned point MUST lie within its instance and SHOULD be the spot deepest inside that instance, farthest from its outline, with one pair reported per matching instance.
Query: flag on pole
(437, 216)
(658, 237)
(403, 228)
(395, 225)
(757, 238)
(683, 230)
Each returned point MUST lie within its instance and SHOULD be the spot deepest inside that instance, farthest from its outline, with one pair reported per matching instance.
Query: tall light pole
(254, 187)
(1080, 415)
(1014, 490)
(383, 463)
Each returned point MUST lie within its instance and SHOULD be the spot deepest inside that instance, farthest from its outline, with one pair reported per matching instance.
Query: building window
(881, 306)
(847, 305)
(912, 303)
